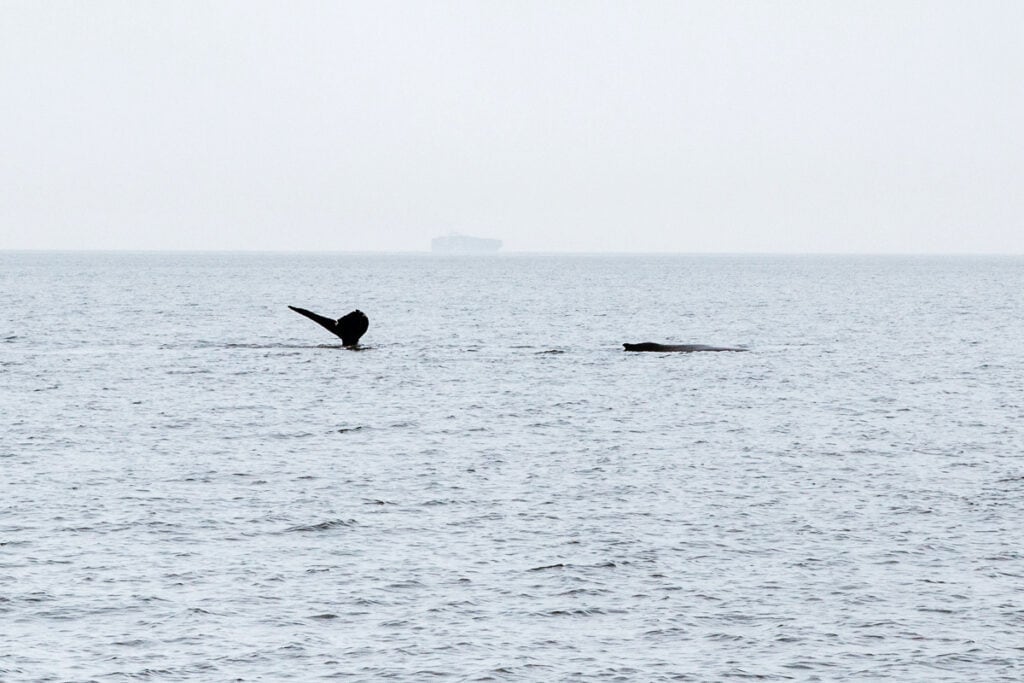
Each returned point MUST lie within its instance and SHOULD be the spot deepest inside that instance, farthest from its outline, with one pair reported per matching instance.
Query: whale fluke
(684, 348)
(349, 327)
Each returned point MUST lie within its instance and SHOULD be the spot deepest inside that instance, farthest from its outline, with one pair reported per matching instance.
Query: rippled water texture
(198, 484)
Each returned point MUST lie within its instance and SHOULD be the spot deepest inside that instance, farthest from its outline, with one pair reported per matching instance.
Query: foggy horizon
(797, 128)
(513, 252)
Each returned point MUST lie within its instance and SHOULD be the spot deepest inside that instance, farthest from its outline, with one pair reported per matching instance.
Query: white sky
(757, 126)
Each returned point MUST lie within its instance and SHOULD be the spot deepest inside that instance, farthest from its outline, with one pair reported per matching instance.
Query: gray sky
(716, 126)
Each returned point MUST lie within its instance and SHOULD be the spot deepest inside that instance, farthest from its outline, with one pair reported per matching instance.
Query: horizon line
(399, 252)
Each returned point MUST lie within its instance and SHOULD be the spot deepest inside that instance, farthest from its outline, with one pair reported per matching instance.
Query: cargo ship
(464, 244)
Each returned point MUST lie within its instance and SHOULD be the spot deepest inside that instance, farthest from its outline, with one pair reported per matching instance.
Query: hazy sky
(558, 126)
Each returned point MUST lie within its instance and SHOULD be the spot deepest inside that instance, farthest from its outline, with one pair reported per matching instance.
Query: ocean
(198, 484)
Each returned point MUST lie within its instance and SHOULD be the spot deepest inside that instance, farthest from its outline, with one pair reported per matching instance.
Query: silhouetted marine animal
(350, 327)
(651, 346)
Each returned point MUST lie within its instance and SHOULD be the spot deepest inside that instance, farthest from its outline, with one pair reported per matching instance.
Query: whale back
(680, 348)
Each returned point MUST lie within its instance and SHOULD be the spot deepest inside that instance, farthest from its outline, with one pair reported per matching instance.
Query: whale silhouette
(685, 348)
(349, 327)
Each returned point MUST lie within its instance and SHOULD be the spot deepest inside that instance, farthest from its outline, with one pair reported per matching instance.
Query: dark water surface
(197, 484)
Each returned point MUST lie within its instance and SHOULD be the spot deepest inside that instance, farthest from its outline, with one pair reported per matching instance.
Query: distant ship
(464, 244)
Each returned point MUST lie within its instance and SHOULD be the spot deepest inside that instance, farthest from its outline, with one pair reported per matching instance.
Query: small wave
(411, 583)
(579, 612)
(600, 565)
(137, 642)
(323, 526)
(582, 592)
(273, 347)
(548, 566)
(363, 601)
(257, 346)
(293, 435)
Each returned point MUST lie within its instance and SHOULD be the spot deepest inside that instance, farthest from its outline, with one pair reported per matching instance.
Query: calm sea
(198, 484)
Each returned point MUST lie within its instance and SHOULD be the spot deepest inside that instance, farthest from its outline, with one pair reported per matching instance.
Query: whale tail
(349, 327)
(352, 326)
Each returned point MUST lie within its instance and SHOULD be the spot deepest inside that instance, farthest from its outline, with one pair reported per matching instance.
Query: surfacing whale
(349, 327)
(685, 348)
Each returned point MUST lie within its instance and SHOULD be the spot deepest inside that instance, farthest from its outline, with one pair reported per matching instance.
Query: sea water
(198, 484)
